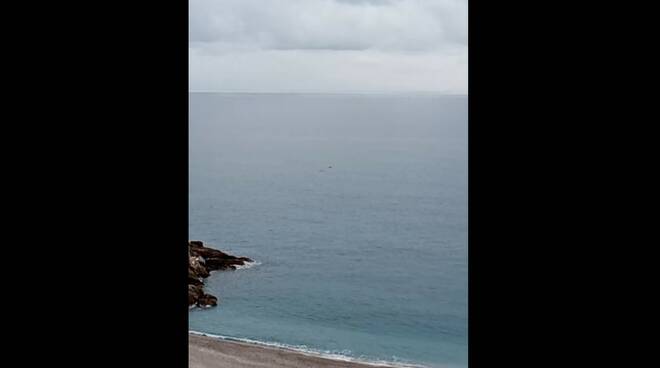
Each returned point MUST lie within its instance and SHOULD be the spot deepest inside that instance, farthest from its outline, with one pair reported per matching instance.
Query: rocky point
(201, 261)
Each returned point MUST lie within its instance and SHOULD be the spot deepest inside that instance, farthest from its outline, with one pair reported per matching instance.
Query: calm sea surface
(355, 207)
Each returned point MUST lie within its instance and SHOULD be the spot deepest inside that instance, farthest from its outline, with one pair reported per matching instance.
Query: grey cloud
(330, 24)
(361, 2)
(328, 45)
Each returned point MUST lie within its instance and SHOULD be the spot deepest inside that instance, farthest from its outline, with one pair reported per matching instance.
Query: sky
(328, 46)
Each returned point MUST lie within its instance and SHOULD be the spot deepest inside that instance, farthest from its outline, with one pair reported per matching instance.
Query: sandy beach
(208, 352)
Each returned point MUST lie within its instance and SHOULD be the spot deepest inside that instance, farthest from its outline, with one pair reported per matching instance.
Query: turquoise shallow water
(355, 207)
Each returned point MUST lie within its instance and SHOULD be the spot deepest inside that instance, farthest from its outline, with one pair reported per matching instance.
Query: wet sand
(207, 352)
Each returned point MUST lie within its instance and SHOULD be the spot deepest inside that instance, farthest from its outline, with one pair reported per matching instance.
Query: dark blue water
(366, 258)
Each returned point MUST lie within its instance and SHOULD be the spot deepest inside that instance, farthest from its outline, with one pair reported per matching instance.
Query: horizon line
(333, 93)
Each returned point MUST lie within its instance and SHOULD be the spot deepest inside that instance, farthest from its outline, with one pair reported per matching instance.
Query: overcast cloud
(328, 45)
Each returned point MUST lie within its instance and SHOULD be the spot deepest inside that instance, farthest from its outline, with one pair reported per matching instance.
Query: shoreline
(206, 351)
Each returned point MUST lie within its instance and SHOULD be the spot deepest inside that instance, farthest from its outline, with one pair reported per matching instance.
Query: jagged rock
(208, 253)
(194, 293)
(198, 267)
(193, 278)
(196, 243)
(222, 264)
(215, 259)
(202, 260)
(207, 300)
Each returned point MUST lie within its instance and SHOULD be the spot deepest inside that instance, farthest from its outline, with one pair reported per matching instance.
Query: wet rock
(198, 267)
(196, 243)
(194, 293)
(222, 264)
(202, 260)
(207, 300)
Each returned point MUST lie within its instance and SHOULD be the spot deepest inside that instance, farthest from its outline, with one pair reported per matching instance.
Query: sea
(354, 208)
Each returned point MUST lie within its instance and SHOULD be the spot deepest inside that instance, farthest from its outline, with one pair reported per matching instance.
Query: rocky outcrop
(201, 261)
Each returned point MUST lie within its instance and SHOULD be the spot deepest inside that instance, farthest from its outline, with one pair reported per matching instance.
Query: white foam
(202, 306)
(302, 349)
(238, 267)
(247, 265)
